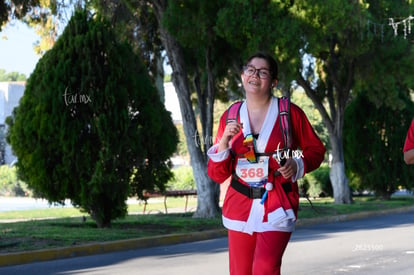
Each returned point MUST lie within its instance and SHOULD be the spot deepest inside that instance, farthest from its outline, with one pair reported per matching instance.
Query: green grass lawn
(60, 227)
(326, 207)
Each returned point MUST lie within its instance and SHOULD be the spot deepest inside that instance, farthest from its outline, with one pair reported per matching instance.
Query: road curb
(105, 247)
(353, 216)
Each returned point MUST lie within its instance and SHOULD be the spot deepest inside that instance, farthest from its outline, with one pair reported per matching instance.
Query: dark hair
(269, 59)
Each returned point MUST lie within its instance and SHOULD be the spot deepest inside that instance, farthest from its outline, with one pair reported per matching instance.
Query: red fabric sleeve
(305, 138)
(220, 171)
(409, 140)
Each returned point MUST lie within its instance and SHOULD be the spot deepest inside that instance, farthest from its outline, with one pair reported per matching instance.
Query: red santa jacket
(280, 208)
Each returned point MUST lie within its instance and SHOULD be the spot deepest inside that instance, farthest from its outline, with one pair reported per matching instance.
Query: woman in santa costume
(261, 203)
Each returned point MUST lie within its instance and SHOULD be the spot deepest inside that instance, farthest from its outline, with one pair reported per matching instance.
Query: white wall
(171, 102)
(10, 94)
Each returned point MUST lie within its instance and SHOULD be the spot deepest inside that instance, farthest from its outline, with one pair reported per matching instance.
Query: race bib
(255, 174)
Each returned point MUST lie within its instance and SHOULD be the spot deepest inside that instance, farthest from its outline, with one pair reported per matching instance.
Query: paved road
(378, 245)
(381, 245)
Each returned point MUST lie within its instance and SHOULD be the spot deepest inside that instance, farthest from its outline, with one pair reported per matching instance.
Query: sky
(16, 48)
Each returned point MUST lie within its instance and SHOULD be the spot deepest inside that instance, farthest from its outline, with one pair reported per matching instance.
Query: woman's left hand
(289, 169)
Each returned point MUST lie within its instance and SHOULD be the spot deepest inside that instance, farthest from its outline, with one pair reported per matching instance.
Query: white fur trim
(282, 217)
(301, 169)
(217, 157)
(281, 220)
(267, 127)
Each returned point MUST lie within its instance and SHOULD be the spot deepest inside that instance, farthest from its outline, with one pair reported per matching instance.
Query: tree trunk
(334, 126)
(206, 203)
(100, 222)
(339, 181)
(159, 78)
(208, 129)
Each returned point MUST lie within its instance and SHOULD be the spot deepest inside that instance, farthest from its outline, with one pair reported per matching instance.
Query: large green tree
(90, 123)
(198, 60)
(200, 65)
(46, 17)
(15, 9)
(207, 58)
(374, 139)
(329, 48)
(182, 84)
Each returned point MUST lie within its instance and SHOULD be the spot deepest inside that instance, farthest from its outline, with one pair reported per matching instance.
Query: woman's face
(256, 77)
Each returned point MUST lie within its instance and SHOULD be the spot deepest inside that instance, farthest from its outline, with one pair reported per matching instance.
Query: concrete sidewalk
(105, 247)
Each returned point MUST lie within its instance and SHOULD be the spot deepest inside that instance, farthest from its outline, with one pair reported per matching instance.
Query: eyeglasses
(249, 70)
(250, 144)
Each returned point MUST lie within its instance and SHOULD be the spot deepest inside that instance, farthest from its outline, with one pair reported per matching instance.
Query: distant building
(171, 103)
(10, 94)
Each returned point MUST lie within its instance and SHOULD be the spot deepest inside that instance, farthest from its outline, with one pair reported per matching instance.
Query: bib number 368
(253, 172)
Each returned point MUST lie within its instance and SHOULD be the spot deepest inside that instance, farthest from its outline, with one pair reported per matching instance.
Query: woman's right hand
(232, 129)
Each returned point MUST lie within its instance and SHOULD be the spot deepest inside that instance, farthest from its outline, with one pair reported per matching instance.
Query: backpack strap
(233, 112)
(284, 115)
(285, 123)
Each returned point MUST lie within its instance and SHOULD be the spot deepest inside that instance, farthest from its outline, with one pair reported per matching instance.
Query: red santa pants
(257, 254)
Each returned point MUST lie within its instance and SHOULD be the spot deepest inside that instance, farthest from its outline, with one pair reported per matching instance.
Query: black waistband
(250, 192)
(255, 192)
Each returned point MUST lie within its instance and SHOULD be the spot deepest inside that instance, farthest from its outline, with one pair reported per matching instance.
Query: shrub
(90, 116)
(317, 183)
(9, 183)
(374, 140)
(182, 179)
